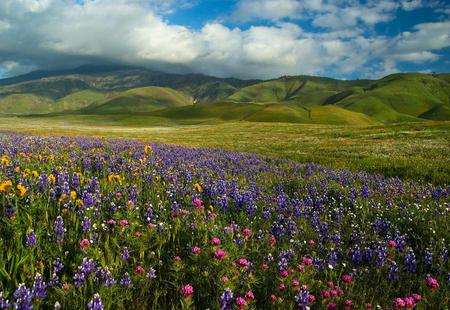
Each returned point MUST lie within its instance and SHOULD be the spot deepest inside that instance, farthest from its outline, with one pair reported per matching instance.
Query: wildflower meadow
(90, 223)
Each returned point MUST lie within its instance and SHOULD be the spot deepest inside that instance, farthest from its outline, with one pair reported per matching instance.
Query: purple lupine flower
(393, 272)
(95, 303)
(59, 229)
(39, 288)
(410, 261)
(151, 274)
(126, 280)
(57, 265)
(23, 298)
(109, 280)
(4, 303)
(125, 254)
(78, 279)
(86, 225)
(302, 298)
(226, 300)
(428, 258)
(31, 239)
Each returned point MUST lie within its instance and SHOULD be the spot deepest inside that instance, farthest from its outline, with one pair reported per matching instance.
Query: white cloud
(49, 33)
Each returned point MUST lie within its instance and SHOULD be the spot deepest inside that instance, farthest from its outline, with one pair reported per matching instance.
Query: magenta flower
(197, 203)
(249, 295)
(84, 244)
(139, 269)
(432, 283)
(392, 243)
(399, 303)
(187, 290)
(123, 223)
(247, 232)
(347, 278)
(331, 306)
(195, 250)
(295, 283)
(220, 254)
(241, 302)
(243, 262)
(215, 241)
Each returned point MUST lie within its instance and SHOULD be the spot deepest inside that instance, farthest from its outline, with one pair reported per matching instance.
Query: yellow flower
(111, 177)
(63, 197)
(51, 178)
(4, 186)
(35, 173)
(73, 195)
(5, 160)
(17, 169)
(22, 189)
(147, 149)
(198, 188)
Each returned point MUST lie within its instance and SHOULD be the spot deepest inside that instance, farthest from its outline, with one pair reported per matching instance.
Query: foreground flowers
(98, 224)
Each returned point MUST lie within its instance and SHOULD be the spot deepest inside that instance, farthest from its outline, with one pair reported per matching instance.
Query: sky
(262, 39)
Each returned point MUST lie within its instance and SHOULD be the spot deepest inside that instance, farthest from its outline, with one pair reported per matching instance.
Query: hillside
(116, 90)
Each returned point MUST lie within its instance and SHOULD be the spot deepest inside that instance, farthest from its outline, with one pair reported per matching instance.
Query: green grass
(411, 150)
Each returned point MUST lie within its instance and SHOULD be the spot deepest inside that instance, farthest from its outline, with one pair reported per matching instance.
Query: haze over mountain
(197, 98)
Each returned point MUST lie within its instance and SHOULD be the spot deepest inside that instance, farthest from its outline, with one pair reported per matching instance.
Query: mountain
(119, 90)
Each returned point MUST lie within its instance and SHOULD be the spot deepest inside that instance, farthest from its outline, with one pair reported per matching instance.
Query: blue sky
(241, 38)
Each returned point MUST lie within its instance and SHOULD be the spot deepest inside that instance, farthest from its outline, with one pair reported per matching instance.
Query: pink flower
(295, 283)
(417, 297)
(118, 195)
(392, 243)
(284, 273)
(264, 266)
(348, 303)
(220, 254)
(432, 282)
(224, 279)
(311, 242)
(241, 302)
(272, 240)
(307, 261)
(111, 222)
(123, 223)
(325, 294)
(151, 225)
(195, 250)
(347, 278)
(282, 286)
(368, 306)
(334, 292)
(247, 232)
(301, 268)
(399, 303)
(409, 302)
(215, 241)
(187, 290)
(197, 203)
(273, 298)
(243, 262)
(177, 258)
(312, 298)
(139, 269)
(330, 284)
(249, 295)
(331, 306)
(84, 243)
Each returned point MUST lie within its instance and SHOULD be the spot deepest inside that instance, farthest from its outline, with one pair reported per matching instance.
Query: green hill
(141, 100)
(99, 90)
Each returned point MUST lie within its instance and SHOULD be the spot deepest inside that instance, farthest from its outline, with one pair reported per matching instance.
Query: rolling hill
(196, 98)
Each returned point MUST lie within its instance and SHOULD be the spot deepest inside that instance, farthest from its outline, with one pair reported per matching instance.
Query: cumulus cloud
(67, 33)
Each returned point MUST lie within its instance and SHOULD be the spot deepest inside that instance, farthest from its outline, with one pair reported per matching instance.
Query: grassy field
(418, 151)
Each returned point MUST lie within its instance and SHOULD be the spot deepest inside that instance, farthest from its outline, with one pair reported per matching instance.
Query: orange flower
(22, 190)
(4, 186)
